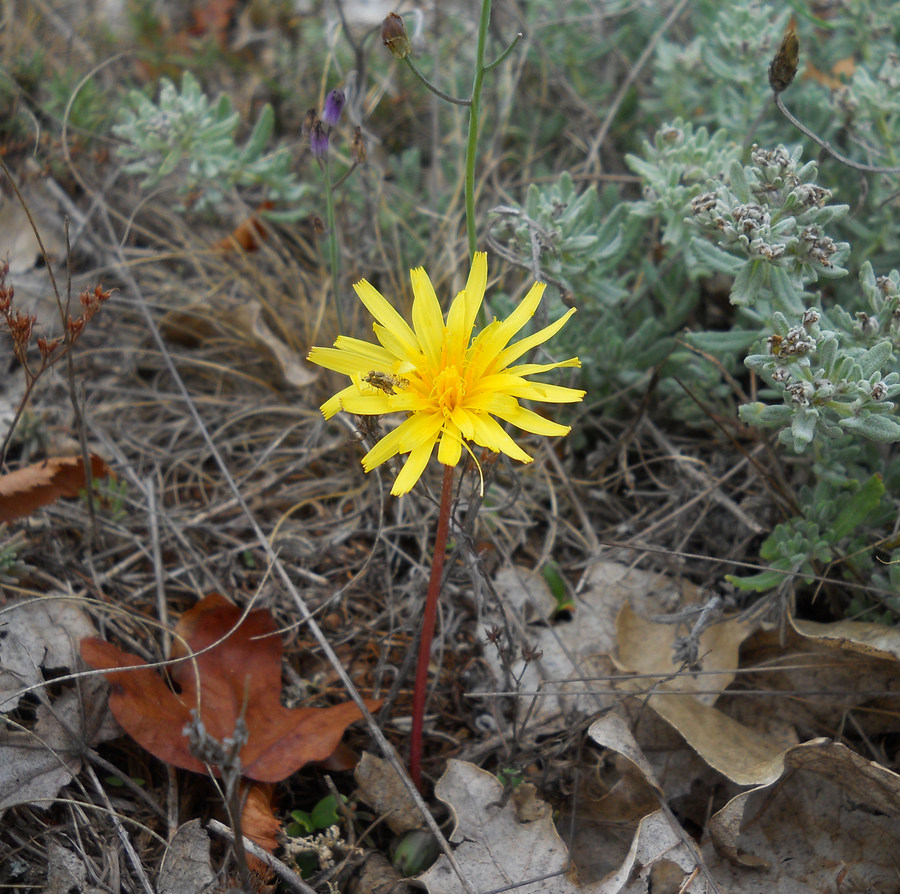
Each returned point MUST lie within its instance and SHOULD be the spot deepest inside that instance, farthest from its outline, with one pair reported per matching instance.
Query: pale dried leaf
(35, 634)
(655, 844)
(645, 647)
(35, 765)
(492, 846)
(66, 872)
(742, 754)
(874, 640)
(18, 243)
(186, 865)
(294, 371)
(831, 823)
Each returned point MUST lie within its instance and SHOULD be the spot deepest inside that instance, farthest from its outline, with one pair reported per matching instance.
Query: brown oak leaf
(26, 489)
(241, 671)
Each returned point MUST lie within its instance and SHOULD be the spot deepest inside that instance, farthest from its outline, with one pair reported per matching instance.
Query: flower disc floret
(454, 388)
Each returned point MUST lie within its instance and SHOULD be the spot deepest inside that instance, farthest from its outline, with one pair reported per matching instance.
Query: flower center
(449, 389)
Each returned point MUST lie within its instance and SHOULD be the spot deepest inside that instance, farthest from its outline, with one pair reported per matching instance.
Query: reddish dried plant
(21, 328)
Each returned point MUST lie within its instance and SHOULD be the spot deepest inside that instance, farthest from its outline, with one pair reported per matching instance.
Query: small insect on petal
(385, 382)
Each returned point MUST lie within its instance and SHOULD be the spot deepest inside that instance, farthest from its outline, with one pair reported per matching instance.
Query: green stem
(474, 109)
(428, 619)
(334, 257)
(435, 90)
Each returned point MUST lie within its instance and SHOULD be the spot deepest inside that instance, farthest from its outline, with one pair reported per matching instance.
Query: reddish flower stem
(428, 619)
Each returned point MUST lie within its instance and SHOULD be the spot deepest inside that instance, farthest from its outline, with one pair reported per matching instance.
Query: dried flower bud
(394, 36)
(358, 147)
(784, 65)
(318, 140)
(334, 105)
(309, 121)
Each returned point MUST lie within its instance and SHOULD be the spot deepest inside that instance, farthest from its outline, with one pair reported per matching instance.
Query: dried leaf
(578, 648)
(258, 820)
(493, 847)
(740, 753)
(239, 672)
(35, 765)
(186, 865)
(249, 317)
(259, 823)
(872, 640)
(248, 235)
(23, 491)
(66, 872)
(829, 824)
(36, 634)
(382, 789)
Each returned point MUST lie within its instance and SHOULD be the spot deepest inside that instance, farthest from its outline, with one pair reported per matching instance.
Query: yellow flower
(450, 385)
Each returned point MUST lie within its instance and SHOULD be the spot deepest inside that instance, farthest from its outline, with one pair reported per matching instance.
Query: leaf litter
(804, 814)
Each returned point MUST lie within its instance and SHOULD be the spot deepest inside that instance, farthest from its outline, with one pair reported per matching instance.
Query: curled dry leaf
(829, 824)
(381, 787)
(23, 491)
(238, 671)
(258, 821)
(685, 701)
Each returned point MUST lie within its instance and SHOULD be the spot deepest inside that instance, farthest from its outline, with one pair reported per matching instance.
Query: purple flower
(318, 140)
(334, 105)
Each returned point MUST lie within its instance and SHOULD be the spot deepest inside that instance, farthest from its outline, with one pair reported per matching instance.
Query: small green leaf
(304, 823)
(758, 583)
(557, 585)
(325, 814)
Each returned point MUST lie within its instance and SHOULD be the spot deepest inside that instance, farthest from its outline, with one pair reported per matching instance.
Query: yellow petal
(412, 469)
(380, 308)
(514, 352)
(528, 420)
(458, 334)
(450, 445)
(409, 435)
(542, 391)
(399, 349)
(490, 434)
(331, 406)
(529, 369)
(374, 404)
(350, 356)
(462, 419)
(497, 339)
(428, 320)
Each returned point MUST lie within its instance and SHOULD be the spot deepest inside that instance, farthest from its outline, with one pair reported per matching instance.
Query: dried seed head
(358, 147)
(784, 65)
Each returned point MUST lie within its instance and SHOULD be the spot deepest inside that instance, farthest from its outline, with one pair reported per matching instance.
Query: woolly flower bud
(394, 36)
(334, 105)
